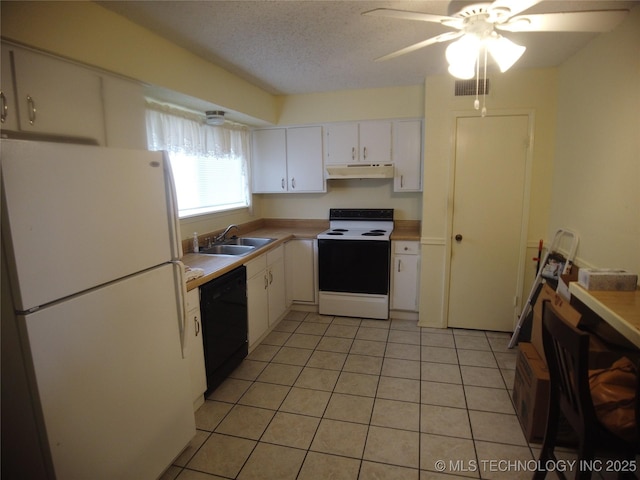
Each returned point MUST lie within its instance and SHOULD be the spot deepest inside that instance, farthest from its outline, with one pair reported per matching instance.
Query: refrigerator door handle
(181, 294)
(172, 207)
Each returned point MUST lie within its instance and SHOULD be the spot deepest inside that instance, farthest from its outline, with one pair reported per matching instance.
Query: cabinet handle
(270, 277)
(293, 183)
(266, 282)
(5, 107)
(197, 325)
(282, 184)
(364, 153)
(401, 181)
(31, 104)
(399, 262)
(353, 153)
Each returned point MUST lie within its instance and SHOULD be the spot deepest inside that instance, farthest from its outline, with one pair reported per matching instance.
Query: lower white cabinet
(195, 348)
(266, 300)
(300, 261)
(405, 275)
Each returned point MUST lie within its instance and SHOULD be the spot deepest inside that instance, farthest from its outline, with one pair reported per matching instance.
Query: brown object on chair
(567, 351)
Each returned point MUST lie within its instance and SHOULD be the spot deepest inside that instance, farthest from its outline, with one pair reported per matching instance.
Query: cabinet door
(8, 104)
(304, 159)
(375, 142)
(341, 143)
(277, 292)
(196, 358)
(56, 97)
(269, 161)
(404, 295)
(301, 272)
(407, 155)
(124, 113)
(257, 306)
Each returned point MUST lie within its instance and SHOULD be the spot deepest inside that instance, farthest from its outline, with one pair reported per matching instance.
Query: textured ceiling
(293, 47)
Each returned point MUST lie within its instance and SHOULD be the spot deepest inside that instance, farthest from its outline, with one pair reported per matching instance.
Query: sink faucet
(223, 236)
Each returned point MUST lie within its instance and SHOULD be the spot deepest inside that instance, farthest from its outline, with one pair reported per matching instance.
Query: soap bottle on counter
(196, 248)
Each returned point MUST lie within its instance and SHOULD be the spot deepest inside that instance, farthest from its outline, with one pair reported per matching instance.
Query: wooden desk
(621, 310)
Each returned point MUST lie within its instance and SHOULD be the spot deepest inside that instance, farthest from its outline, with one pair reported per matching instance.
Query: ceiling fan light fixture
(462, 56)
(505, 52)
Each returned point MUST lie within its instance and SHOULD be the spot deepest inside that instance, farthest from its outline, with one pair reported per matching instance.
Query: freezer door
(113, 388)
(80, 216)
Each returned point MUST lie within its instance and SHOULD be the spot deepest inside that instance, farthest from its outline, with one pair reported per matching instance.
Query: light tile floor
(343, 398)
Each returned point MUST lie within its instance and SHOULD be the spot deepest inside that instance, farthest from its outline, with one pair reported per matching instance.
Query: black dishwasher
(223, 306)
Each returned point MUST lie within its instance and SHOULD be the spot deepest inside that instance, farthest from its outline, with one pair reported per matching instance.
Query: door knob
(458, 238)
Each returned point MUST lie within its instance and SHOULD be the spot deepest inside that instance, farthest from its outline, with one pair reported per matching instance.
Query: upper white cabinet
(269, 165)
(407, 155)
(8, 107)
(288, 160)
(124, 113)
(56, 97)
(304, 159)
(364, 142)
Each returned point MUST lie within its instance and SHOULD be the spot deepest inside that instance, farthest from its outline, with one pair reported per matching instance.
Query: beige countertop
(216, 265)
(282, 230)
(620, 309)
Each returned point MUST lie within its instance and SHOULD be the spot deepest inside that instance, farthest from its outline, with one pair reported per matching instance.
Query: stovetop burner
(359, 224)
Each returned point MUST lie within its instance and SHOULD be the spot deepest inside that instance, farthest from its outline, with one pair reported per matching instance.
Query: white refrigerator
(91, 249)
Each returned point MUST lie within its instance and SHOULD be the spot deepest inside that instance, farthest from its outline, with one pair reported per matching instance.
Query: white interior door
(487, 228)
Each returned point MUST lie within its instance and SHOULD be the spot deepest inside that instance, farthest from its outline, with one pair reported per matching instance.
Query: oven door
(354, 266)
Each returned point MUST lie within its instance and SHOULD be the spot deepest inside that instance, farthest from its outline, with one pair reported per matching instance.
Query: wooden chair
(567, 351)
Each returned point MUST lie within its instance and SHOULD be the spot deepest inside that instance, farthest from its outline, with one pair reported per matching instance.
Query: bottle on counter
(196, 248)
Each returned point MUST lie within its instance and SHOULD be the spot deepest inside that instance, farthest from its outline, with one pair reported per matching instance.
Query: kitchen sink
(250, 241)
(236, 246)
(225, 249)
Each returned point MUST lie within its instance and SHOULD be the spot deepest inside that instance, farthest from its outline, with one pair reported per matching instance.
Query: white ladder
(557, 239)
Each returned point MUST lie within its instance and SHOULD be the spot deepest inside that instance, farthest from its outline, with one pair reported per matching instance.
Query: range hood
(359, 170)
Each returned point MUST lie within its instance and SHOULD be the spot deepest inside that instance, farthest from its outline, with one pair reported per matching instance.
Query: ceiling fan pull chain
(484, 86)
(476, 103)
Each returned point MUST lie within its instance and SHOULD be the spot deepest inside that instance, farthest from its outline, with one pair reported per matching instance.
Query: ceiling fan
(476, 28)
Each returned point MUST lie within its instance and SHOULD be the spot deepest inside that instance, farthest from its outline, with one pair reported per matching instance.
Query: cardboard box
(569, 313)
(607, 279)
(531, 392)
(565, 279)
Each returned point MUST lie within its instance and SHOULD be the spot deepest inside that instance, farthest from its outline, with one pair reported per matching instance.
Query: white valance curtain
(180, 131)
(210, 163)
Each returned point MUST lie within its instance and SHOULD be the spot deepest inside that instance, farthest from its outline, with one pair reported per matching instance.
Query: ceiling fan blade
(407, 15)
(416, 46)
(514, 7)
(596, 21)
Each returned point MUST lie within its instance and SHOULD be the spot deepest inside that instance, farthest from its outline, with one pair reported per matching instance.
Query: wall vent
(468, 87)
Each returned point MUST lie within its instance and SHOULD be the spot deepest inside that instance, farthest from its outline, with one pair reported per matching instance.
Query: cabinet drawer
(256, 266)
(193, 299)
(406, 247)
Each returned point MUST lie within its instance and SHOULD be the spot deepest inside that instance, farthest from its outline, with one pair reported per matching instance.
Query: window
(209, 164)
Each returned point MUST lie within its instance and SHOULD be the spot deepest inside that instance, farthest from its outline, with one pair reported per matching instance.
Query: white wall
(364, 193)
(596, 188)
(88, 33)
